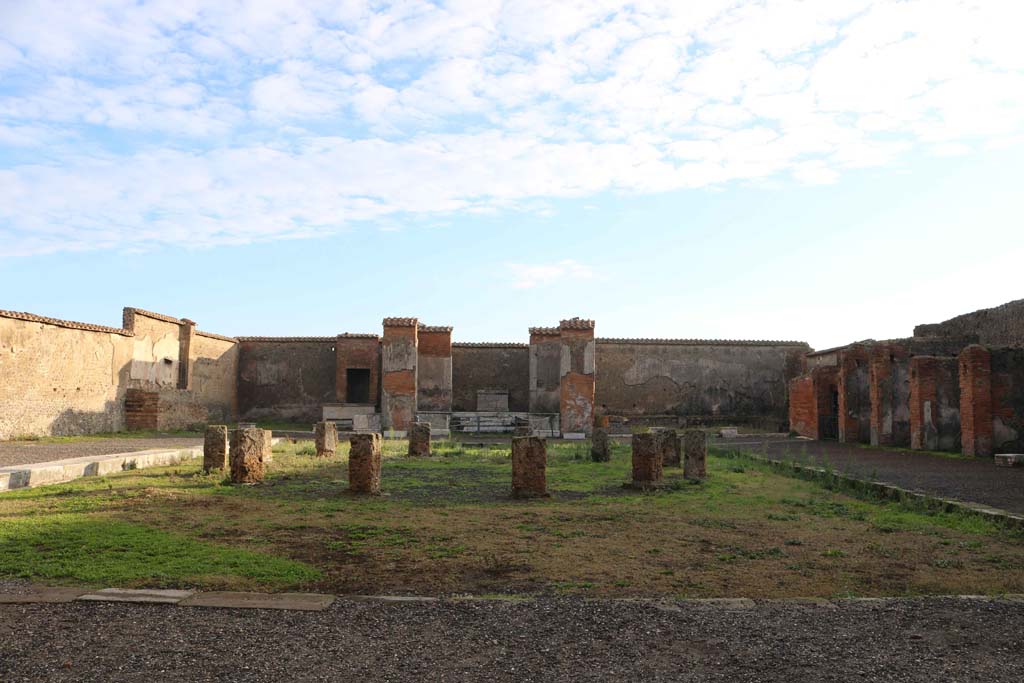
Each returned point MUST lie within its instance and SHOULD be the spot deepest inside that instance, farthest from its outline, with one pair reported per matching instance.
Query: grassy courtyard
(447, 525)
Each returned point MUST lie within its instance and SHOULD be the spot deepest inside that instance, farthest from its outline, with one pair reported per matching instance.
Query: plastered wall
(693, 379)
(60, 377)
(286, 379)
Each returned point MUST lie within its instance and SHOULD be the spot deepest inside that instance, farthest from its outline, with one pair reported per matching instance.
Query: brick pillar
(577, 366)
(434, 369)
(923, 407)
(889, 395)
(671, 448)
(399, 356)
(186, 333)
(545, 375)
(854, 395)
(976, 400)
(803, 406)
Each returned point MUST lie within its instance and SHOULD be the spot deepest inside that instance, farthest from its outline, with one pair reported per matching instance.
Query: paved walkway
(557, 640)
(28, 452)
(965, 479)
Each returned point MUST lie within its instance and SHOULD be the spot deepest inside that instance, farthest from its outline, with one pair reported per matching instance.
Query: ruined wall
(399, 362)
(695, 378)
(812, 410)
(434, 371)
(999, 326)
(357, 351)
(803, 407)
(1007, 400)
(286, 378)
(889, 389)
(60, 377)
(934, 403)
(545, 369)
(490, 366)
(214, 375)
(184, 377)
(854, 395)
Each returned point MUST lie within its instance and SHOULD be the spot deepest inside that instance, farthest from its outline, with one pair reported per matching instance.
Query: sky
(815, 171)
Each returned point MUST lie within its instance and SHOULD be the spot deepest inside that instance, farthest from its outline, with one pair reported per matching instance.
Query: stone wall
(285, 378)
(695, 377)
(490, 366)
(999, 326)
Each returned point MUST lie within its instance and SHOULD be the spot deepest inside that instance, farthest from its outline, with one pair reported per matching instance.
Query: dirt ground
(975, 480)
(563, 639)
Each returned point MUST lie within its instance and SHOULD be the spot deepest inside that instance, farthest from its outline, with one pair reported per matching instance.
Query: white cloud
(177, 121)
(529, 276)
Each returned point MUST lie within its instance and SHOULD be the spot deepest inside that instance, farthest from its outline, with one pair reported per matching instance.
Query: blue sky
(779, 169)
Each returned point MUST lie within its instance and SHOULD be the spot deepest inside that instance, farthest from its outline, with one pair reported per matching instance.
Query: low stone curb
(69, 469)
(881, 489)
(316, 602)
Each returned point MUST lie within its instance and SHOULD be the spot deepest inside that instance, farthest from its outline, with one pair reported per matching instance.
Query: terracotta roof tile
(400, 322)
(69, 324)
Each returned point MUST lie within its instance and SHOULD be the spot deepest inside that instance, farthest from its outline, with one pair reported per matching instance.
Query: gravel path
(27, 452)
(937, 639)
(970, 480)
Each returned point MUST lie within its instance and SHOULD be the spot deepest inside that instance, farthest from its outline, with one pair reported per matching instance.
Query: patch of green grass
(98, 551)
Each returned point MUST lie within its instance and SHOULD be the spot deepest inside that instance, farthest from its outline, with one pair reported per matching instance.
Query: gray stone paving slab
(309, 602)
(159, 596)
(42, 594)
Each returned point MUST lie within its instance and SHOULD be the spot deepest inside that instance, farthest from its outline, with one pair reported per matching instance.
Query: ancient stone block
(696, 449)
(647, 461)
(529, 467)
(215, 448)
(419, 439)
(326, 439)
(364, 463)
(247, 464)
(600, 448)
(668, 443)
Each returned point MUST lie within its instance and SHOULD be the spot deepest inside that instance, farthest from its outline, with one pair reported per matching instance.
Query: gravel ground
(935, 639)
(971, 480)
(27, 452)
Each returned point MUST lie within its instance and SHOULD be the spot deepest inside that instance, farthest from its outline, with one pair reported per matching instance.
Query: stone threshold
(881, 489)
(317, 602)
(69, 469)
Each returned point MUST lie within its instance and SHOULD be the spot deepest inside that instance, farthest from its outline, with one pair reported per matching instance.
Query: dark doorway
(357, 385)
